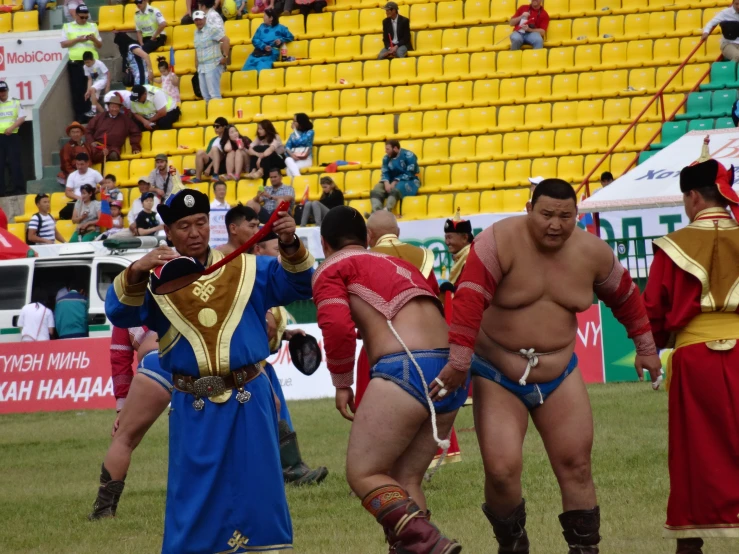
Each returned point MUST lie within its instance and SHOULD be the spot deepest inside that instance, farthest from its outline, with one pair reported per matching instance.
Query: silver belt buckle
(209, 386)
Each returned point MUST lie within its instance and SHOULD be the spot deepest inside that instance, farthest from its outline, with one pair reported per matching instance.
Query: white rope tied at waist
(443, 444)
(533, 360)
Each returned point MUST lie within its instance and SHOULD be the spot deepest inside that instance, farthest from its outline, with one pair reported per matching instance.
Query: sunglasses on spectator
(84, 17)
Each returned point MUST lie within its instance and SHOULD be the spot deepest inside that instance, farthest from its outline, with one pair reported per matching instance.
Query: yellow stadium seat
(491, 201)
(378, 150)
(687, 22)
(559, 32)
(693, 72)
(221, 108)
(636, 25)
(541, 143)
(515, 145)
(510, 61)
(347, 48)
(298, 49)
(566, 141)
(615, 132)
(360, 152)
(482, 65)
(296, 24)
(667, 51)
(164, 142)
(448, 14)
(320, 49)
(564, 114)
(490, 175)
(300, 102)
(139, 169)
(512, 89)
(271, 80)
(435, 150)
(433, 96)
(456, 66)
(616, 110)
(671, 103)
(378, 98)
(353, 101)
(326, 129)
(462, 148)
(402, 70)
(468, 202)
(185, 61)
(590, 84)
(479, 38)
(688, 44)
(346, 22)
(376, 72)
(631, 6)
(642, 79)
(427, 41)
(66, 228)
(476, 12)
(6, 22)
(434, 123)
(119, 169)
(611, 25)
(503, 9)
(29, 208)
(591, 163)
(594, 139)
(380, 127)
(330, 153)
(561, 59)
(319, 25)
(322, 76)
(184, 37)
(453, 40)
(485, 92)
(589, 112)
(363, 206)
(243, 83)
(587, 57)
(297, 78)
(638, 104)
(585, 27)
(441, 205)
(661, 24)
(614, 82)
(429, 68)
(557, 7)
(414, 207)
(410, 124)
(352, 128)
(639, 52)
(128, 13)
(110, 18)
(250, 107)
(538, 88)
(458, 122)
(24, 22)
(180, 9)
(459, 93)
(619, 163)
(645, 132)
(537, 115)
(514, 200)
(423, 16)
(274, 106)
(59, 200)
(192, 113)
(710, 13)
(517, 172)
(357, 184)
(564, 86)
(483, 120)
(436, 178)
(370, 20)
(371, 46)
(569, 168)
(167, 9)
(239, 53)
(404, 98)
(350, 72)
(663, 74)
(544, 167)
(510, 118)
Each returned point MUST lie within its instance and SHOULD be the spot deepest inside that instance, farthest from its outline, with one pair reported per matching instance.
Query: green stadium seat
(671, 131)
(723, 75)
(644, 156)
(698, 105)
(724, 123)
(700, 125)
(722, 103)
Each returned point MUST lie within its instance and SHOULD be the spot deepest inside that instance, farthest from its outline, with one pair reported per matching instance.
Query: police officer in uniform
(150, 25)
(11, 118)
(80, 36)
(152, 108)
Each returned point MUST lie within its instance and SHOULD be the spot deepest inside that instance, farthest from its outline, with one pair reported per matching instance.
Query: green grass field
(50, 465)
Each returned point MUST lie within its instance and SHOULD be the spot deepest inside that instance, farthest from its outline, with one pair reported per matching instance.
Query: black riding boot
(580, 530)
(109, 494)
(511, 531)
(294, 470)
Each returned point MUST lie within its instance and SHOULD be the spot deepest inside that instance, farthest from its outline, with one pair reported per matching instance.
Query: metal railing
(658, 96)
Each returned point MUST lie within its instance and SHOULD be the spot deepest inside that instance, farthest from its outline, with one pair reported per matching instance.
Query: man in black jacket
(396, 34)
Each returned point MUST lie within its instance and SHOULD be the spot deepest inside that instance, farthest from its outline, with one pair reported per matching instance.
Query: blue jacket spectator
(399, 177)
(267, 41)
(299, 146)
(70, 315)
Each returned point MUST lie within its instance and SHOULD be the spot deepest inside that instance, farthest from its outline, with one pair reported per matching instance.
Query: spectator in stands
(153, 108)
(330, 198)
(267, 41)
(169, 81)
(70, 314)
(219, 202)
(68, 155)
(12, 117)
(98, 79)
(150, 25)
(399, 177)
(28, 6)
(606, 178)
(123, 95)
(396, 34)
(42, 227)
(78, 37)
(306, 7)
(86, 215)
(266, 200)
(148, 222)
(728, 19)
(84, 175)
(137, 206)
(110, 188)
(137, 68)
(530, 23)
(159, 178)
(212, 50)
(36, 322)
(299, 145)
(108, 130)
(267, 151)
(211, 160)
(212, 9)
(118, 227)
(533, 181)
(234, 147)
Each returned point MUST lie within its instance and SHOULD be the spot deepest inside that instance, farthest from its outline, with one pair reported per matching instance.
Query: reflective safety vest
(147, 109)
(9, 111)
(75, 30)
(146, 22)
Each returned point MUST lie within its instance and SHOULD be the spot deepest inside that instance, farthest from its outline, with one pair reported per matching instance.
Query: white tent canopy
(656, 182)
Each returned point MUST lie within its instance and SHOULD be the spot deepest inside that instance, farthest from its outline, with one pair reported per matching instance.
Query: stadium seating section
(481, 118)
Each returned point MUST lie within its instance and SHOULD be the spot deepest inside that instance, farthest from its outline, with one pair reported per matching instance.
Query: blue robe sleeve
(124, 303)
(412, 168)
(284, 34)
(386, 169)
(308, 139)
(290, 144)
(288, 280)
(260, 38)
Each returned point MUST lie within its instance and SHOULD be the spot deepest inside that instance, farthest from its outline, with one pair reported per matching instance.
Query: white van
(89, 266)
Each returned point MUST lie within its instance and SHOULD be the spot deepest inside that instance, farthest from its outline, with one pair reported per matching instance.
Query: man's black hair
(87, 55)
(393, 143)
(111, 177)
(606, 175)
(554, 188)
(219, 183)
(82, 157)
(239, 213)
(712, 195)
(271, 171)
(344, 226)
(40, 197)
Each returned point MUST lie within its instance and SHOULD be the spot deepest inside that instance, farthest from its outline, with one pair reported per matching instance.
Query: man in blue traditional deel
(225, 491)
(399, 177)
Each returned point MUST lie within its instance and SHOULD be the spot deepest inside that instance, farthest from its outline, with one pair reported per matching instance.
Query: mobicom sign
(34, 56)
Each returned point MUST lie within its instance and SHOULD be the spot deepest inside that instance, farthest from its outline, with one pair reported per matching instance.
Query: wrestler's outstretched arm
(618, 291)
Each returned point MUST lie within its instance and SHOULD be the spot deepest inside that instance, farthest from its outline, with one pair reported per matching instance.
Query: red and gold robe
(692, 297)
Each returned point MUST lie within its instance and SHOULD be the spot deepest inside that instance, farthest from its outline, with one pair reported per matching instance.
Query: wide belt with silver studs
(218, 389)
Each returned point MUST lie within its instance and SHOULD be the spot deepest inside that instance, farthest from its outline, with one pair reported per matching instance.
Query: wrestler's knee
(574, 468)
(502, 475)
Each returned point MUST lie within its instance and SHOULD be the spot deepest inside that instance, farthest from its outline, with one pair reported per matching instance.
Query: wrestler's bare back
(419, 323)
(538, 298)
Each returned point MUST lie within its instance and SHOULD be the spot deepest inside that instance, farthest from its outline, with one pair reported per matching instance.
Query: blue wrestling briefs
(532, 395)
(401, 370)
(150, 367)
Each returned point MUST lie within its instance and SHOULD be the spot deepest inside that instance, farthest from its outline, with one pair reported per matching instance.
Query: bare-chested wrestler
(515, 324)
(397, 428)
